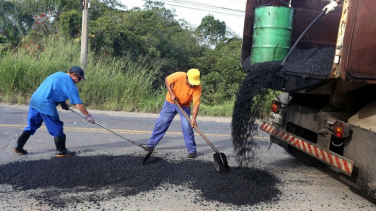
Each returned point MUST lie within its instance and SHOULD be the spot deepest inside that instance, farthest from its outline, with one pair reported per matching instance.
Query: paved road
(302, 187)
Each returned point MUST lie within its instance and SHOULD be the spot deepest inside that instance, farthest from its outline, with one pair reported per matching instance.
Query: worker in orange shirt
(183, 88)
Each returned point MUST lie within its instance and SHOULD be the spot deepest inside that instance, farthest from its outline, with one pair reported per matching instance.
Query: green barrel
(272, 29)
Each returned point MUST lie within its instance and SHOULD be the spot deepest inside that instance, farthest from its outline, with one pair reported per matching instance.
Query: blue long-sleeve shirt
(55, 89)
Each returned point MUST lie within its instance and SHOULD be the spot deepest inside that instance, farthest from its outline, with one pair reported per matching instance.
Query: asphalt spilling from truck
(125, 176)
(252, 96)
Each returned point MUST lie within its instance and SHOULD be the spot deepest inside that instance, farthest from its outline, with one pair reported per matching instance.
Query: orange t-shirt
(182, 91)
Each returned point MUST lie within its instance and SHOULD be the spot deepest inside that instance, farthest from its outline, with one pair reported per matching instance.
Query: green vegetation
(130, 53)
(115, 85)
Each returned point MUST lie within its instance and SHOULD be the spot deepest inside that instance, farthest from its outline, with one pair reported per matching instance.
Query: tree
(221, 71)
(15, 22)
(211, 30)
(70, 23)
(151, 32)
(113, 35)
(98, 8)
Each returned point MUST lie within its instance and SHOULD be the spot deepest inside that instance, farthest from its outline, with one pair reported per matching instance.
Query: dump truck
(327, 117)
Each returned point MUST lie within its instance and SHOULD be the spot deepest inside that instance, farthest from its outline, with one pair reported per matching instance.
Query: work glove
(64, 106)
(90, 118)
(330, 7)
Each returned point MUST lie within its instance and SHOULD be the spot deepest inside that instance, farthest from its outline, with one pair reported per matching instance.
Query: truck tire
(304, 157)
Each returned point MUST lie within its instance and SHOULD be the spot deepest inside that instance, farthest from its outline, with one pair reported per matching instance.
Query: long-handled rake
(146, 148)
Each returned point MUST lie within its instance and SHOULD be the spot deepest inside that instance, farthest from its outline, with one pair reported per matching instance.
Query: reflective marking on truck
(343, 164)
(326, 157)
(318, 153)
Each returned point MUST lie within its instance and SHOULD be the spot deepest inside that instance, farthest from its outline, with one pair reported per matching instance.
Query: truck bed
(348, 29)
(303, 69)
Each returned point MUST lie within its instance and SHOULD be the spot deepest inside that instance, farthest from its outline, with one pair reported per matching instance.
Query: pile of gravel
(316, 61)
(126, 176)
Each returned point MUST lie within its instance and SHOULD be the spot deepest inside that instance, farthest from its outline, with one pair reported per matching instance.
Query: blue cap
(79, 71)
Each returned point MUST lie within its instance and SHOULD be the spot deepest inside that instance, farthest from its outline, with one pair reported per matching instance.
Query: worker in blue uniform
(54, 90)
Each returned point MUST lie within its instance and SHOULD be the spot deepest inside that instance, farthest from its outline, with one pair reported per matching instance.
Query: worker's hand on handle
(330, 7)
(83, 110)
(174, 99)
(193, 123)
(194, 115)
(90, 118)
(64, 106)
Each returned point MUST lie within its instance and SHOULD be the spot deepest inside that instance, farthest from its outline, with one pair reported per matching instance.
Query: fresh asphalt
(107, 173)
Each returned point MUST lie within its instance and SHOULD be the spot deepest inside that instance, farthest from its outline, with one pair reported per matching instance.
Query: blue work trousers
(35, 120)
(168, 112)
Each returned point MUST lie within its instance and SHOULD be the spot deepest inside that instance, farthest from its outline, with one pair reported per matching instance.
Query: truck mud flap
(340, 163)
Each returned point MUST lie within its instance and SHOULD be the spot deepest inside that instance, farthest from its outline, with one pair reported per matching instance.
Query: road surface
(107, 173)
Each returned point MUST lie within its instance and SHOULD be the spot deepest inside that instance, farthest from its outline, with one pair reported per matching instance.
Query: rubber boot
(61, 150)
(22, 139)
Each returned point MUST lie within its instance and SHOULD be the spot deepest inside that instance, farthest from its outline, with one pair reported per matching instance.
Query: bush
(70, 23)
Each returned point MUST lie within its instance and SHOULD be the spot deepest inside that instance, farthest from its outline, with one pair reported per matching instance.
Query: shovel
(220, 160)
(145, 148)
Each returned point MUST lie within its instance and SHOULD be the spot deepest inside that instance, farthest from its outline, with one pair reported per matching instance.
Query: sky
(229, 11)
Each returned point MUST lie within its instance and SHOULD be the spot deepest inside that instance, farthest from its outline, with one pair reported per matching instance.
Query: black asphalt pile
(251, 98)
(126, 176)
(316, 61)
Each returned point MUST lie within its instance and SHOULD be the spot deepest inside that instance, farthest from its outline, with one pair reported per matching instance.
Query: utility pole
(85, 5)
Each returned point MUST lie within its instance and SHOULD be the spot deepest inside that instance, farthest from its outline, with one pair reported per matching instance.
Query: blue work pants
(168, 112)
(35, 120)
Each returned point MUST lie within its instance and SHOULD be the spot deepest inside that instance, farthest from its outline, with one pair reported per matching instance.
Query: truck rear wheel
(304, 157)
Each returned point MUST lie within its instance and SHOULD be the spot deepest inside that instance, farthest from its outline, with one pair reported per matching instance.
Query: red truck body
(328, 119)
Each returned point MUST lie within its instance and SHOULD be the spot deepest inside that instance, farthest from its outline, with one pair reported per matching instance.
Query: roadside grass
(224, 109)
(121, 85)
(112, 84)
(23, 71)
